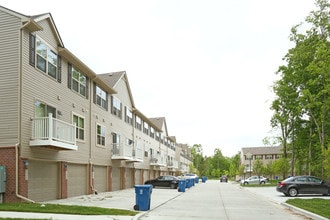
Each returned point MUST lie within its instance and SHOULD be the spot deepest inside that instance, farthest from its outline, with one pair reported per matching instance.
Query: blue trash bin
(182, 186)
(196, 179)
(142, 197)
(192, 181)
(187, 183)
(203, 179)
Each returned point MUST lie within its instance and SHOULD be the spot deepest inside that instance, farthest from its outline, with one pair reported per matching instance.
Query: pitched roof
(112, 79)
(261, 150)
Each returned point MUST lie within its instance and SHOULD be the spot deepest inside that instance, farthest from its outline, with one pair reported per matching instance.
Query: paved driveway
(271, 194)
(215, 200)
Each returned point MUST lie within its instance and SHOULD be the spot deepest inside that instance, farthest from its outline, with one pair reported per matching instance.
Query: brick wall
(8, 159)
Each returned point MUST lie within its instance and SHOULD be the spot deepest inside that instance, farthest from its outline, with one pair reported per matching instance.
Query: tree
(303, 91)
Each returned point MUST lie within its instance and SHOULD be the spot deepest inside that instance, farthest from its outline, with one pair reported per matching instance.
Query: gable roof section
(112, 79)
(262, 150)
(48, 16)
(160, 122)
(31, 22)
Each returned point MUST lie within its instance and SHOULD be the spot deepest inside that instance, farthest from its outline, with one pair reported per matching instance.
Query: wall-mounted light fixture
(25, 163)
(66, 166)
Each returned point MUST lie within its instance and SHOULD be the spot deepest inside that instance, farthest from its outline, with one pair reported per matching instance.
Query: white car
(189, 176)
(254, 180)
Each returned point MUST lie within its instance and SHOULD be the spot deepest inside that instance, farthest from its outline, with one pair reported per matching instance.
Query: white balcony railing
(49, 131)
(157, 160)
(127, 152)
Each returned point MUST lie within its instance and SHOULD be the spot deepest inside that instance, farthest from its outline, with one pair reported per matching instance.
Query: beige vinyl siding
(100, 154)
(119, 125)
(39, 86)
(9, 73)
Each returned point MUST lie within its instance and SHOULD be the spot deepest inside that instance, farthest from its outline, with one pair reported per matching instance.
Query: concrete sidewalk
(121, 199)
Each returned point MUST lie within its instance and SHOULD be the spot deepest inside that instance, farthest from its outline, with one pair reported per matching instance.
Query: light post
(249, 157)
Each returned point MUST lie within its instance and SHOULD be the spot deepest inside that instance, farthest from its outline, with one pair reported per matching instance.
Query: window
(152, 132)
(100, 97)
(115, 143)
(79, 82)
(258, 157)
(44, 58)
(145, 128)
(80, 126)
(115, 106)
(100, 133)
(129, 116)
(138, 122)
(43, 110)
(269, 156)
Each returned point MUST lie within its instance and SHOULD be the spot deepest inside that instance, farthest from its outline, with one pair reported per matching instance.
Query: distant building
(266, 154)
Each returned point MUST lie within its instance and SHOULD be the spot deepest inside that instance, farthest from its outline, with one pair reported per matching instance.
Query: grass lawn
(317, 206)
(63, 209)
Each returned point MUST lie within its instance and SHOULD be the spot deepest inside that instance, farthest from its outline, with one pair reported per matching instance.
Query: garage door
(129, 178)
(44, 180)
(77, 180)
(138, 177)
(146, 175)
(116, 178)
(100, 178)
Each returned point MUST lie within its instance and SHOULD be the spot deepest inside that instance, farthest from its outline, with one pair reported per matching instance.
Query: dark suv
(224, 179)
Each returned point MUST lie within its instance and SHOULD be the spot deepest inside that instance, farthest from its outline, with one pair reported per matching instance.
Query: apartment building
(66, 130)
(265, 154)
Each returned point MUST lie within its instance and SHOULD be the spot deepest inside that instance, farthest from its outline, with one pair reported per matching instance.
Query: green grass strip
(63, 209)
(317, 206)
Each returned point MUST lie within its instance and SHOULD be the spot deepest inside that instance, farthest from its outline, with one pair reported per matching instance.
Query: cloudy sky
(207, 66)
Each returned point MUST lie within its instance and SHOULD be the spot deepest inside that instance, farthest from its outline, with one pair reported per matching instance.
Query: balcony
(127, 152)
(157, 161)
(53, 133)
(173, 164)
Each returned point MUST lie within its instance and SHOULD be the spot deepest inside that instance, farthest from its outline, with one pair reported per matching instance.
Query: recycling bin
(188, 183)
(203, 179)
(142, 197)
(182, 186)
(192, 181)
(196, 179)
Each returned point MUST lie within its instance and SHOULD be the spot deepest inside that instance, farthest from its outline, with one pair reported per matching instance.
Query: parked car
(295, 185)
(224, 179)
(189, 176)
(164, 181)
(254, 180)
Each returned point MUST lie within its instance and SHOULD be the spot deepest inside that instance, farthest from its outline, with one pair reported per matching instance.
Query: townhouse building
(66, 130)
(265, 154)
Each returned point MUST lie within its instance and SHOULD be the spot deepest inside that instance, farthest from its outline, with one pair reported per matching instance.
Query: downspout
(18, 195)
(91, 168)
(19, 119)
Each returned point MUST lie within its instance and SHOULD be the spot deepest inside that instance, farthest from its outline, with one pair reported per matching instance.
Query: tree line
(301, 116)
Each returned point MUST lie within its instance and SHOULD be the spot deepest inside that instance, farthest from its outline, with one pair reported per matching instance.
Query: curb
(304, 212)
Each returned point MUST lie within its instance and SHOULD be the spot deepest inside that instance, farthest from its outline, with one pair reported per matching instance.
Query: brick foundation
(8, 159)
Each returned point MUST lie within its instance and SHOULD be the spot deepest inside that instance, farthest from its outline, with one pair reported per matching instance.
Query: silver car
(254, 180)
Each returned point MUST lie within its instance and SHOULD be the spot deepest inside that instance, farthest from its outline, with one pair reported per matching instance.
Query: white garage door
(43, 180)
(77, 180)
